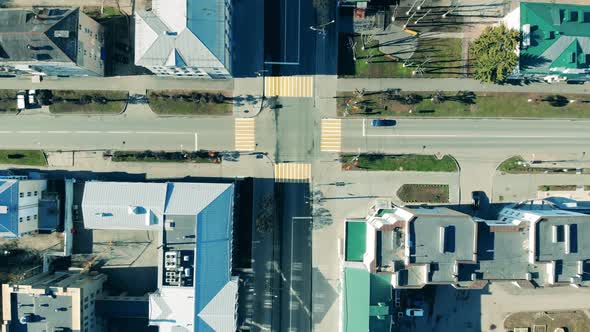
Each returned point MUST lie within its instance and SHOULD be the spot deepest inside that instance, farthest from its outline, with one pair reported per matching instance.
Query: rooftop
(356, 233)
(182, 33)
(555, 37)
(367, 301)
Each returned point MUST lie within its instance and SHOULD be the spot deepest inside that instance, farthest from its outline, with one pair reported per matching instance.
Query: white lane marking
(472, 136)
(28, 132)
(364, 133)
(196, 142)
(5, 132)
(118, 132)
(59, 132)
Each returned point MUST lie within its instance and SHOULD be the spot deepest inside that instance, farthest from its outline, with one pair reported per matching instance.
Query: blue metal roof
(213, 252)
(9, 198)
(206, 20)
(178, 60)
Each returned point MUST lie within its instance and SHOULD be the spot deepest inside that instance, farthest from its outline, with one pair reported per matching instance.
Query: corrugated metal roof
(172, 306)
(123, 205)
(196, 30)
(9, 198)
(218, 312)
(213, 264)
(191, 198)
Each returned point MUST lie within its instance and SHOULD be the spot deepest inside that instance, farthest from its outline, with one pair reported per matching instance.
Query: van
(20, 100)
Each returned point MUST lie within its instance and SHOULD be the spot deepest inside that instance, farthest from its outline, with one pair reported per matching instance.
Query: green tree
(495, 53)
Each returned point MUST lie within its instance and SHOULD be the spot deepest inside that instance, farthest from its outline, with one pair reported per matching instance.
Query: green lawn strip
(8, 101)
(23, 157)
(557, 187)
(166, 157)
(438, 58)
(484, 105)
(424, 193)
(108, 12)
(409, 162)
(116, 104)
(186, 106)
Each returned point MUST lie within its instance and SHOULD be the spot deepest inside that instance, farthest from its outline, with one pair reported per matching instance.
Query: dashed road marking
(331, 137)
(288, 86)
(245, 134)
(292, 172)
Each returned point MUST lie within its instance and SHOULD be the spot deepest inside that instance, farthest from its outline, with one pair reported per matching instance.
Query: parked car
(384, 123)
(476, 197)
(414, 312)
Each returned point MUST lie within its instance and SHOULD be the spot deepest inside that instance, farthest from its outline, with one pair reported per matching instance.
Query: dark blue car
(384, 123)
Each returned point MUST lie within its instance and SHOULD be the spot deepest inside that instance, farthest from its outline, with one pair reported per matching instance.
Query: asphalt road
(479, 138)
(118, 132)
(295, 251)
(296, 131)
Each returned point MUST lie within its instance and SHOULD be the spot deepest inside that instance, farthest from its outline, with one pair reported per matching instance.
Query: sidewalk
(453, 84)
(134, 84)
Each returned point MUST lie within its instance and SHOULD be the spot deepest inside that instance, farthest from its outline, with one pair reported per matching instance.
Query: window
(28, 218)
(21, 195)
(28, 194)
(20, 219)
(36, 193)
(86, 299)
(35, 217)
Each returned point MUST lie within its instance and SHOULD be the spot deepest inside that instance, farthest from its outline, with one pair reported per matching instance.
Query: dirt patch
(424, 193)
(571, 321)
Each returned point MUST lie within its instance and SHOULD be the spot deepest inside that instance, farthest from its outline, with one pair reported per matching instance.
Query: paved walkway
(453, 84)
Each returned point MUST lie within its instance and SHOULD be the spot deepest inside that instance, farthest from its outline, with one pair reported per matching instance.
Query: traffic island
(91, 102)
(462, 104)
(424, 193)
(402, 162)
(23, 157)
(179, 102)
(200, 156)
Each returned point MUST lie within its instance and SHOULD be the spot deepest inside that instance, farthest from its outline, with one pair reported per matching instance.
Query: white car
(414, 312)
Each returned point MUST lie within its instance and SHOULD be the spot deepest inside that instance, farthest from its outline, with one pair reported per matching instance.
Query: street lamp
(321, 28)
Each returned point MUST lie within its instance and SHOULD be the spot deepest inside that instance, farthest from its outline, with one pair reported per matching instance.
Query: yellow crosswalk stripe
(292, 172)
(245, 134)
(288, 86)
(331, 135)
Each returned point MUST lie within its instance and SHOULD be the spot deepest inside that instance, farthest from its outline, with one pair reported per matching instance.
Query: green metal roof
(367, 301)
(356, 238)
(559, 37)
(356, 300)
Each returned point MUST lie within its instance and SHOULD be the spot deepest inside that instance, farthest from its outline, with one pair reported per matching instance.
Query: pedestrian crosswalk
(292, 172)
(331, 135)
(245, 134)
(288, 86)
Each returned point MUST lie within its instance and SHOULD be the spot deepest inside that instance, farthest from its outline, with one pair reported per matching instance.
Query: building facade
(53, 42)
(20, 205)
(185, 38)
(60, 301)
(197, 290)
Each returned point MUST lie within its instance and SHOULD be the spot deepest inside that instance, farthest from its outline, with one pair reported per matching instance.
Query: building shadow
(324, 296)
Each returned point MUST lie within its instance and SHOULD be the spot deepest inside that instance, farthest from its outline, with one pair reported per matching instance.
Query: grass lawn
(167, 106)
(23, 157)
(572, 321)
(165, 157)
(554, 187)
(444, 59)
(424, 193)
(484, 105)
(8, 101)
(108, 12)
(116, 104)
(407, 162)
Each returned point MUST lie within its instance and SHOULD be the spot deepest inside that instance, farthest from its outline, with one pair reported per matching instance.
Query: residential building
(20, 212)
(59, 301)
(555, 39)
(185, 38)
(54, 42)
(534, 243)
(196, 288)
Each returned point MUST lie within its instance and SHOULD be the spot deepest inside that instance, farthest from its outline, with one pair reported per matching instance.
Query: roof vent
(61, 33)
(136, 210)
(171, 33)
(3, 209)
